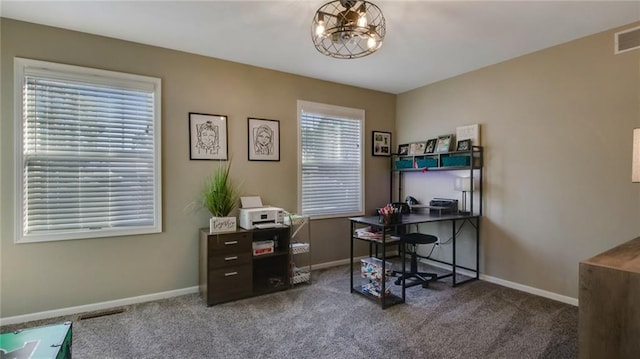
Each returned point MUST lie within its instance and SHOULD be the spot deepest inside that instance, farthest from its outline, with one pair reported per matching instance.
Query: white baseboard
(96, 306)
(336, 263)
(508, 284)
(531, 290)
(178, 292)
(127, 301)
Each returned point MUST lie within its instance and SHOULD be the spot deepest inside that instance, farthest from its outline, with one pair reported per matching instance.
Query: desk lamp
(635, 166)
(463, 184)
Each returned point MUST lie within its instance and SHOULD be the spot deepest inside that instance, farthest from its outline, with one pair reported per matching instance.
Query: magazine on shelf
(374, 234)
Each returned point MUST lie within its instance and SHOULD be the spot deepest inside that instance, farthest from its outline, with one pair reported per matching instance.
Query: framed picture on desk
(417, 148)
(431, 145)
(403, 150)
(444, 143)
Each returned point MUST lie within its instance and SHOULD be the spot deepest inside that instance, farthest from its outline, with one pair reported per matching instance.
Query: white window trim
(337, 111)
(70, 72)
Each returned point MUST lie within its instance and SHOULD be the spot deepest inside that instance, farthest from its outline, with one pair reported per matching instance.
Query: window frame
(24, 67)
(329, 111)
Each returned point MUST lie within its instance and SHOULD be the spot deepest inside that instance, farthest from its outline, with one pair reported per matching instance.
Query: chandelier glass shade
(348, 29)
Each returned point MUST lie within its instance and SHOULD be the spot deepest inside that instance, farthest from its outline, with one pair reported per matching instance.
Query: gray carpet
(324, 320)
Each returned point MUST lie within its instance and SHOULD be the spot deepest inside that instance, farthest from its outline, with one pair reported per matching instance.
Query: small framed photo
(463, 145)
(403, 150)
(264, 139)
(381, 143)
(444, 143)
(207, 137)
(417, 148)
(431, 145)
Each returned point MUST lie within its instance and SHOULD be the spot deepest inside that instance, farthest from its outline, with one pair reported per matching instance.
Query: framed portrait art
(207, 137)
(381, 143)
(264, 139)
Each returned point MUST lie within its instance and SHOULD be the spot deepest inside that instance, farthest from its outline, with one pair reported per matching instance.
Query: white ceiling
(426, 41)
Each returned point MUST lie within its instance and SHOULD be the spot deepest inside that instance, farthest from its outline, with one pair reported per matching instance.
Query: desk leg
(402, 252)
(453, 231)
(351, 261)
(384, 269)
(478, 248)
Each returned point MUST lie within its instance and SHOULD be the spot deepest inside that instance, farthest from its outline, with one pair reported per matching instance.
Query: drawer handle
(231, 258)
(230, 274)
(230, 243)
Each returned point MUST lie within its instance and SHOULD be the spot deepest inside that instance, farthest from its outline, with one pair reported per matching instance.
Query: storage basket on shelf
(451, 161)
(427, 163)
(403, 164)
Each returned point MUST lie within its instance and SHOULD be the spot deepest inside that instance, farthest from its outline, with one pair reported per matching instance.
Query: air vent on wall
(627, 40)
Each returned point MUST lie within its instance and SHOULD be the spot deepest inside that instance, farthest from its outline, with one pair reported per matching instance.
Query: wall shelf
(471, 161)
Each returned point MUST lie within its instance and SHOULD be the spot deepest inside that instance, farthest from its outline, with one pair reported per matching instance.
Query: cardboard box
(262, 247)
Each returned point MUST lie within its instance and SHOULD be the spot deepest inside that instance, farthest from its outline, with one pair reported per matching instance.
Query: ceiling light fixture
(348, 29)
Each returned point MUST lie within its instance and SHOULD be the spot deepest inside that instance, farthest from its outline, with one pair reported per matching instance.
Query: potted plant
(220, 197)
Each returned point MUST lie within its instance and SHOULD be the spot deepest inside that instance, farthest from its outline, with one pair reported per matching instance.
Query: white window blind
(90, 164)
(331, 160)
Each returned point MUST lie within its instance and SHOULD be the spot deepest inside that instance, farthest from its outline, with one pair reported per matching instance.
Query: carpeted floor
(324, 320)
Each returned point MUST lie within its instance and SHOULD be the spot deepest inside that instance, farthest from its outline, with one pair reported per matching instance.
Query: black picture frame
(208, 137)
(381, 143)
(431, 145)
(463, 145)
(403, 150)
(263, 139)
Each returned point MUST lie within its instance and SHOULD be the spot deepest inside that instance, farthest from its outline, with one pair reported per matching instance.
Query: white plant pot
(222, 224)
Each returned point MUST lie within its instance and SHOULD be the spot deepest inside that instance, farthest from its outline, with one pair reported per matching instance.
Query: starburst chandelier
(348, 29)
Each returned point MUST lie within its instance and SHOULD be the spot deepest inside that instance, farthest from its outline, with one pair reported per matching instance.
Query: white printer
(253, 215)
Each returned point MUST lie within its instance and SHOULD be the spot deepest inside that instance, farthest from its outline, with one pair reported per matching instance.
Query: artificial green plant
(219, 195)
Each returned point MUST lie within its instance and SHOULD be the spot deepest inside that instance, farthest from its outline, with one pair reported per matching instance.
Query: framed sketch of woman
(207, 137)
(264, 139)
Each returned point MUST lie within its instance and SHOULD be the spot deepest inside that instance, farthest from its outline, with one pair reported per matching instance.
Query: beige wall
(556, 125)
(44, 276)
(557, 130)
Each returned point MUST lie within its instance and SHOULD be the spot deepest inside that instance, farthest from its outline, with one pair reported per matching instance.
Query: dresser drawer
(229, 243)
(217, 260)
(229, 283)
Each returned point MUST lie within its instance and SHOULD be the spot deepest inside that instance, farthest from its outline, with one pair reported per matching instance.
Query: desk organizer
(393, 218)
(455, 161)
(371, 272)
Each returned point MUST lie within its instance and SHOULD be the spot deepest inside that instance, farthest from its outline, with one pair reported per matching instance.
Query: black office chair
(413, 277)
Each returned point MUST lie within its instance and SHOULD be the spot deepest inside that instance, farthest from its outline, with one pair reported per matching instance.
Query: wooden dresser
(609, 303)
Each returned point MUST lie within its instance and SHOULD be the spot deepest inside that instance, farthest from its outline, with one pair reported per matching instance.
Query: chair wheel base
(413, 279)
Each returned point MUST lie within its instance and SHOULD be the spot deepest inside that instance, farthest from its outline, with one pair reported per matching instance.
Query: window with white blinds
(331, 160)
(89, 164)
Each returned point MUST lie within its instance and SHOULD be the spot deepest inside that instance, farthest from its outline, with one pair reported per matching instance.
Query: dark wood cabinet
(609, 314)
(229, 270)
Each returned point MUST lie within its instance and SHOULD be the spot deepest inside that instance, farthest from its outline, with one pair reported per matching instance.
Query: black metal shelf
(475, 167)
(388, 300)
